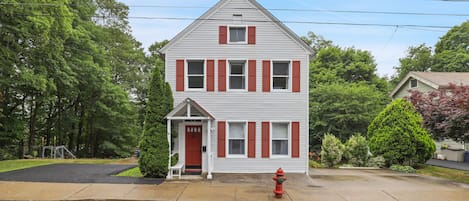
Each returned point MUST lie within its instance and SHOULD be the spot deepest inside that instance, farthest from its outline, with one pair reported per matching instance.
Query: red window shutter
(265, 139)
(221, 75)
(251, 35)
(221, 139)
(210, 75)
(296, 76)
(179, 75)
(252, 139)
(266, 76)
(223, 35)
(295, 132)
(252, 75)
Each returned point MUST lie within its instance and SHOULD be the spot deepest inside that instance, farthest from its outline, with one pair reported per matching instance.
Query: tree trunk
(80, 127)
(32, 125)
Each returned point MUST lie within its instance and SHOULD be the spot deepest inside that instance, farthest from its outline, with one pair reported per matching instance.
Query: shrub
(403, 169)
(396, 134)
(315, 164)
(356, 151)
(332, 150)
(174, 159)
(377, 161)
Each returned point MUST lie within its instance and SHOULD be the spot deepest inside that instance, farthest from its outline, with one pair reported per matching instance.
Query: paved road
(76, 173)
(449, 164)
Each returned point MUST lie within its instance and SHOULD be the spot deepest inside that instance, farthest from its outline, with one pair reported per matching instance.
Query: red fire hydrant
(279, 178)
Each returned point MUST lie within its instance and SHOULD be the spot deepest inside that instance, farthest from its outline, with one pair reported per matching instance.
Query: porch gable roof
(185, 111)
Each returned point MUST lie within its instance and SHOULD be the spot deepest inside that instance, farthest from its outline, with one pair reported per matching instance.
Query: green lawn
(133, 172)
(10, 165)
(446, 173)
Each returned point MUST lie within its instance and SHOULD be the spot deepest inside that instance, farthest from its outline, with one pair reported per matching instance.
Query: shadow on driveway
(76, 173)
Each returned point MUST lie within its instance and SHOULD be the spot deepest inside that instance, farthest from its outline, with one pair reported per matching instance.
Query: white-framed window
(237, 75)
(195, 75)
(280, 139)
(236, 139)
(237, 34)
(281, 75)
(413, 83)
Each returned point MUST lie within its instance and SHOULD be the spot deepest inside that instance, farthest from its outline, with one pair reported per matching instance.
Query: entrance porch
(192, 139)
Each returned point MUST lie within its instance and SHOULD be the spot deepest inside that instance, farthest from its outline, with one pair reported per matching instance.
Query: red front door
(193, 146)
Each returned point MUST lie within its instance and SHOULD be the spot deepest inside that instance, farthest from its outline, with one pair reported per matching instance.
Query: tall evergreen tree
(153, 161)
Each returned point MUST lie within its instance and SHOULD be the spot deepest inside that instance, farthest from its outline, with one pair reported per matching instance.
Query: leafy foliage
(356, 151)
(451, 55)
(397, 135)
(418, 58)
(451, 52)
(403, 169)
(332, 150)
(445, 113)
(345, 92)
(69, 80)
(377, 161)
(153, 161)
(317, 42)
(343, 109)
(336, 65)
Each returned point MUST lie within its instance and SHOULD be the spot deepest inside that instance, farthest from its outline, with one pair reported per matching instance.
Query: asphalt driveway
(76, 173)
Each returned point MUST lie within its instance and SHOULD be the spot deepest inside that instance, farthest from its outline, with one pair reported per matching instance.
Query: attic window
(237, 34)
(413, 83)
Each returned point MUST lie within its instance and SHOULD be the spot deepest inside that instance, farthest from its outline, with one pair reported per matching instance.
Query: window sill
(236, 156)
(279, 156)
(281, 90)
(195, 90)
(237, 90)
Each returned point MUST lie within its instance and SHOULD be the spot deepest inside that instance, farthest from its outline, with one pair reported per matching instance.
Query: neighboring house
(240, 84)
(428, 82)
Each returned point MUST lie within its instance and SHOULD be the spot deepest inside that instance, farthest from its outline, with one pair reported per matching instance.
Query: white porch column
(168, 127)
(209, 149)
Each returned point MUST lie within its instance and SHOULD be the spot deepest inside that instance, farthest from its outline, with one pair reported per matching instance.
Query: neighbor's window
(280, 139)
(413, 83)
(236, 138)
(237, 77)
(237, 34)
(195, 74)
(280, 75)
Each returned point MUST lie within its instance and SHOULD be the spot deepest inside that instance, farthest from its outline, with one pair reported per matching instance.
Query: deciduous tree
(445, 113)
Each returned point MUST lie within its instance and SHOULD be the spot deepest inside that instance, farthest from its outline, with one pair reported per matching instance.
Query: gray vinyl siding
(271, 44)
(404, 90)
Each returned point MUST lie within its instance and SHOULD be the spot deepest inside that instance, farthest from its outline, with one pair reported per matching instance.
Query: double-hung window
(237, 76)
(280, 75)
(195, 74)
(237, 34)
(237, 139)
(280, 140)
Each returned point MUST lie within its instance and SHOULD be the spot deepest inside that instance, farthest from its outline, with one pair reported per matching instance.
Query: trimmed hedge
(396, 134)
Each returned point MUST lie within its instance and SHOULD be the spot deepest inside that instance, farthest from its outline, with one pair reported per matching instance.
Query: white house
(240, 83)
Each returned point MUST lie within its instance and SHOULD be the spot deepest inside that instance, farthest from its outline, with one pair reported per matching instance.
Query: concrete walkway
(323, 185)
(449, 164)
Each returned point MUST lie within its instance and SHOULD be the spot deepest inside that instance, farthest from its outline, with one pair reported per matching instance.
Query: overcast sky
(387, 44)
